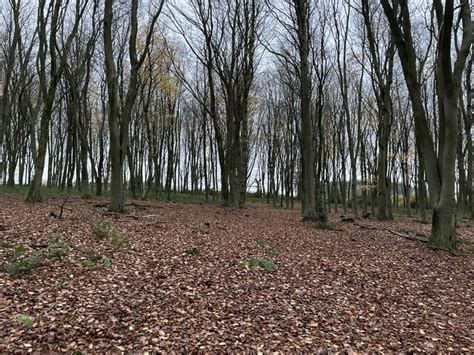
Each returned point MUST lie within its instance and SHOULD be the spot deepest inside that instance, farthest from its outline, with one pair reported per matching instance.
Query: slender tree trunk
(309, 194)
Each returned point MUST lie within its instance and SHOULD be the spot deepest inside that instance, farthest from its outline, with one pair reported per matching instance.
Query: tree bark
(440, 169)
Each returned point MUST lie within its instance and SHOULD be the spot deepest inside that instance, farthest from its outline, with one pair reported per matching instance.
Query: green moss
(263, 263)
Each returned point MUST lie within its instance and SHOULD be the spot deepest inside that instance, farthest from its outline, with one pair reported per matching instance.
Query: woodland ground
(170, 276)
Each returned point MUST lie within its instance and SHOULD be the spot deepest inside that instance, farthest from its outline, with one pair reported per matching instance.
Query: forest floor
(189, 277)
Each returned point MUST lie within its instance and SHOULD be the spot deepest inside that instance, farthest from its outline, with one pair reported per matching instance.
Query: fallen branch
(115, 214)
(139, 206)
(408, 236)
(101, 205)
(365, 227)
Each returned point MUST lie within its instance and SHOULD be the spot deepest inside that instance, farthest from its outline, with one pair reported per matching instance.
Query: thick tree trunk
(117, 198)
(119, 131)
(443, 232)
(440, 169)
(443, 229)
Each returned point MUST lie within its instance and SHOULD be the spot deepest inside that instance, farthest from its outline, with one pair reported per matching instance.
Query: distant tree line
(351, 106)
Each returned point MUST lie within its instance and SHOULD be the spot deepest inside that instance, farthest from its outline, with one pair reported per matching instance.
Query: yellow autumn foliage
(159, 64)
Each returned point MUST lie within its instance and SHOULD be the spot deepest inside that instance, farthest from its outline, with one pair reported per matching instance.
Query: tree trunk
(307, 149)
(440, 169)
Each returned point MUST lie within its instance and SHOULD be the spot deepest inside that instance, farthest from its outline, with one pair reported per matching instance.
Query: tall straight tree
(119, 118)
(295, 16)
(382, 76)
(342, 42)
(469, 124)
(52, 21)
(228, 36)
(234, 47)
(5, 73)
(203, 20)
(440, 166)
(77, 75)
(302, 25)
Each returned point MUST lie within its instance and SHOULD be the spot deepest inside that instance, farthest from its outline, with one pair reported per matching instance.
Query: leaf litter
(183, 281)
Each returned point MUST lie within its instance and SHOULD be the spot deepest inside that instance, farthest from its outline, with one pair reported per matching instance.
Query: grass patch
(192, 251)
(93, 258)
(19, 250)
(175, 197)
(263, 263)
(117, 241)
(24, 320)
(274, 252)
(21, 263)
(187, 198)
(101, 229)
(58, 248)
(200, 198)
(106, 261)
(24, 264)
(46, 192)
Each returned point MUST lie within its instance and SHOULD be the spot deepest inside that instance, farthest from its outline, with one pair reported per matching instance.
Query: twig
(62, 207)
(38, 246)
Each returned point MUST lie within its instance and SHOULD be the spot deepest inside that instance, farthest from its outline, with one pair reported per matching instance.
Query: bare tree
(382, 77)
(440, 168)
(53, 20)
(119, 118)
